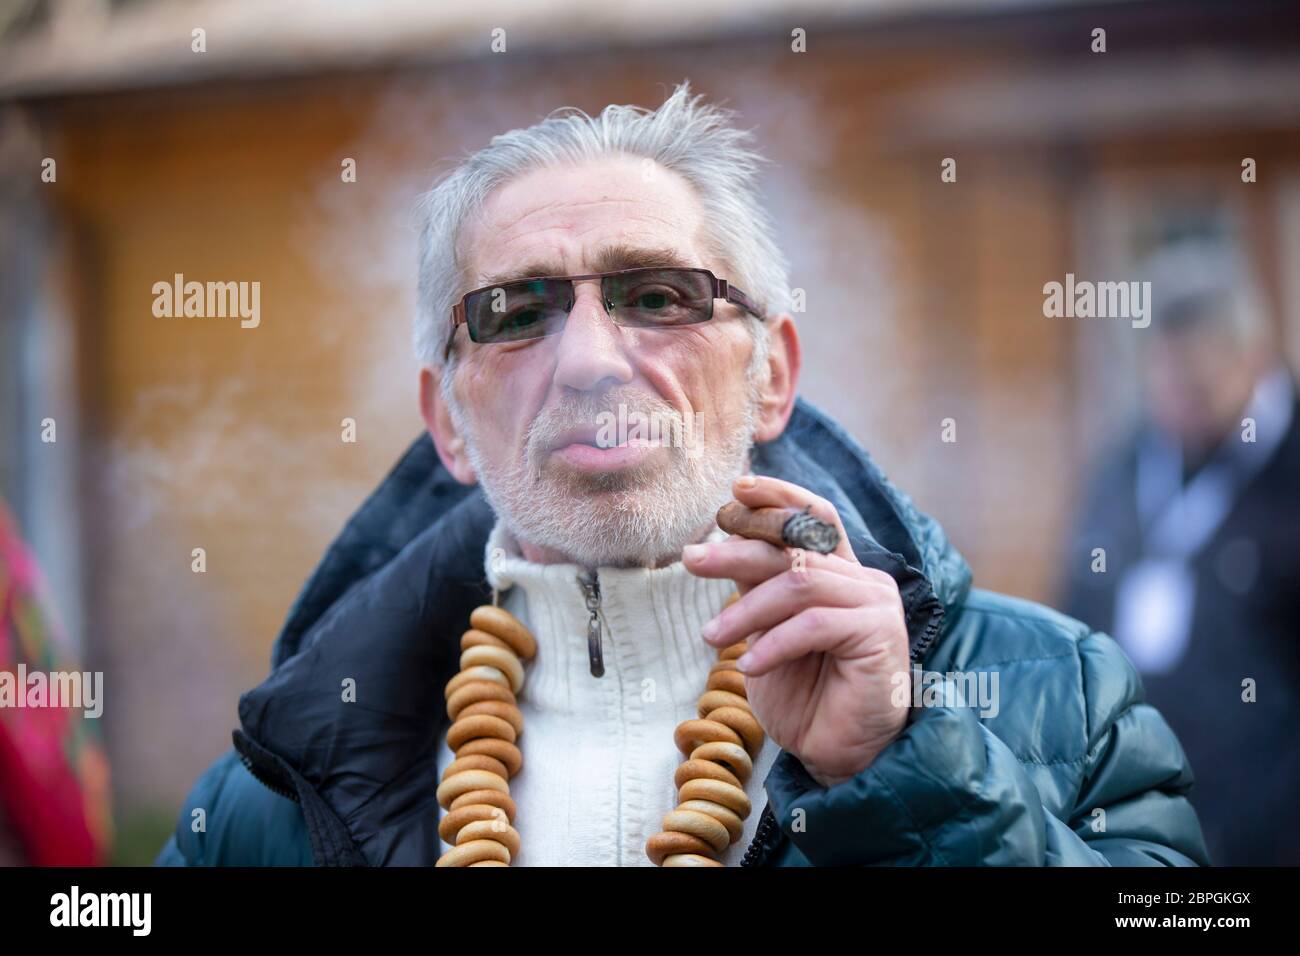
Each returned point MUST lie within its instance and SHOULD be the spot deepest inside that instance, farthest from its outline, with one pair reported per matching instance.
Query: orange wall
(924, 303)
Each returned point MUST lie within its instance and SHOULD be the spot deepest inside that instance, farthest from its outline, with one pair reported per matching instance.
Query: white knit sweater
(599, 755)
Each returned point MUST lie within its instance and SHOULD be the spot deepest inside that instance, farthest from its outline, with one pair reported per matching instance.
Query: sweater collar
(650, 618)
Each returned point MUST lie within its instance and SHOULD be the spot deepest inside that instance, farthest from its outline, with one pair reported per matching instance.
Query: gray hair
(1205, 284)
(686, 135)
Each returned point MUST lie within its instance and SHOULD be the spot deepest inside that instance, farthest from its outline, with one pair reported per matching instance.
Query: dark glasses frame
(721, 288)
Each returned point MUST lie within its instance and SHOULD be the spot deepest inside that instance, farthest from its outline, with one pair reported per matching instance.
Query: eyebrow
(611, 258)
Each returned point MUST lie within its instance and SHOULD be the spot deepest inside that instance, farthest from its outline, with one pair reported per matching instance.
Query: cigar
(783, 527)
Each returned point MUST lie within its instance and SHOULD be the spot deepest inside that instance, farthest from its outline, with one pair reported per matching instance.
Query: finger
(749, 562)
(779, 598)
(812, 630)
(763, 491)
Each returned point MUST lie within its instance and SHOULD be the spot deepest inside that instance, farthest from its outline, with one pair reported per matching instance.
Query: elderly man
(583, 273)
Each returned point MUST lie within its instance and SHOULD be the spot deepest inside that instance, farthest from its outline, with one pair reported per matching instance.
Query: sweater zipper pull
(595, 654)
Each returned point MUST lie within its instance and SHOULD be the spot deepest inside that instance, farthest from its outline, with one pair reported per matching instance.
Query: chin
(619, 488)
(616, 530)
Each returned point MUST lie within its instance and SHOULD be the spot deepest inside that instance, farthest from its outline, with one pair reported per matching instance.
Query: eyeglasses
(646, 298)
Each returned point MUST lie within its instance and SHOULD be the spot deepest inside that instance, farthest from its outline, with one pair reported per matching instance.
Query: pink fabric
(53, 774)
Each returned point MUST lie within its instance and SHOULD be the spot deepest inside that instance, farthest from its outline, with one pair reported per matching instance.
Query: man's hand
(825, 640)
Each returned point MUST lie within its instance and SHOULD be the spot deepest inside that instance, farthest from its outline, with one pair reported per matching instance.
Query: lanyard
(1178, 521)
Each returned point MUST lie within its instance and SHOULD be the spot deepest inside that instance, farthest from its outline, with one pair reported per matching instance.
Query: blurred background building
(925, 298)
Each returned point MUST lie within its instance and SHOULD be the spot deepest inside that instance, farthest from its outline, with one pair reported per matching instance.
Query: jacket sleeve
(948, 792)
(241, 823)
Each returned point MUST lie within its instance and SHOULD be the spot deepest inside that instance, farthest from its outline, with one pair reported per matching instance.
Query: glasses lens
(519, 310)
(660, 297)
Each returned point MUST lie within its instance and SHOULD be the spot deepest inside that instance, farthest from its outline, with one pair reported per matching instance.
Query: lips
(591, 458)
(590, 435)
(584, 435)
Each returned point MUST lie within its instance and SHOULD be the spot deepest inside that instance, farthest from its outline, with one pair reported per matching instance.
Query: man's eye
(653, 299)
(521, 319)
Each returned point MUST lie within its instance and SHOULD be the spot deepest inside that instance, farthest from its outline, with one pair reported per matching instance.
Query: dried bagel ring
(733, 651)
(475, 851)
(691, 733)
(733, 798)
(688, 859)
(453, 820)
(728, 818)
(476, 638)
(708, 769)
(465, 782)
(743, 722)
(697, 824)
(476, 762)
(733, 681)
(713, 699)
(491, 830)
(481, 672)
(497, 708)
(475, 691)
(493, 798)
(508, 753)
(501, 623)
(732, 756)
(466, 729)
(507, 662)
(669, 842)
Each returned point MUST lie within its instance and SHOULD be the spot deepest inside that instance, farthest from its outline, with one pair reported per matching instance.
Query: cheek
(505, 397)
(702, 373)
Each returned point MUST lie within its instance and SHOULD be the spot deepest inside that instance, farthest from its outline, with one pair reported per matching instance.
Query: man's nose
(590, 349)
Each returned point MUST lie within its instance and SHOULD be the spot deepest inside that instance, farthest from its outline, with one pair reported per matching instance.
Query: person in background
(54, 778)
(1198, 519)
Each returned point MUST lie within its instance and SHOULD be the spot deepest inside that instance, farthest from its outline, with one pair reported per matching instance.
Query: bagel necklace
(719, 746)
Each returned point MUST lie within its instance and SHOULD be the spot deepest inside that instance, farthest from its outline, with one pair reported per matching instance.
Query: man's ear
(784, 360)
(441, 427)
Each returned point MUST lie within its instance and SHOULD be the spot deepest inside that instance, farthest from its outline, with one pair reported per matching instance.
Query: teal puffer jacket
(1030, 745)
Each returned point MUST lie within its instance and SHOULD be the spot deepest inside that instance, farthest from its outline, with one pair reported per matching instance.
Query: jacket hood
(410, 564)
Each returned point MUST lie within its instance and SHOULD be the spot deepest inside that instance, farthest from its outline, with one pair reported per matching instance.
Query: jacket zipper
(595, 652)
(757, 850)
(262, 779)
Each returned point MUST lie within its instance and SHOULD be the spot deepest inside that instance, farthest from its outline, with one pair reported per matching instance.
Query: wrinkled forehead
(617, 213)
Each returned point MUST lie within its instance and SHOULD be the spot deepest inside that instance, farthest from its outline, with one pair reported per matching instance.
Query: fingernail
(746, 481)
(745, 661)
(694, 552)
(710, 630)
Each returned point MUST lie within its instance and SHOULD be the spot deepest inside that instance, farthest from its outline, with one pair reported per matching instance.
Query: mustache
(583, 410)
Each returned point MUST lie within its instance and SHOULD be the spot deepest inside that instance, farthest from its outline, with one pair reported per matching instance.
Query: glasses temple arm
(729, 292)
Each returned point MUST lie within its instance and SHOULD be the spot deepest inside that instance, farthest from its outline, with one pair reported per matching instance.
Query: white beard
(638, 517)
